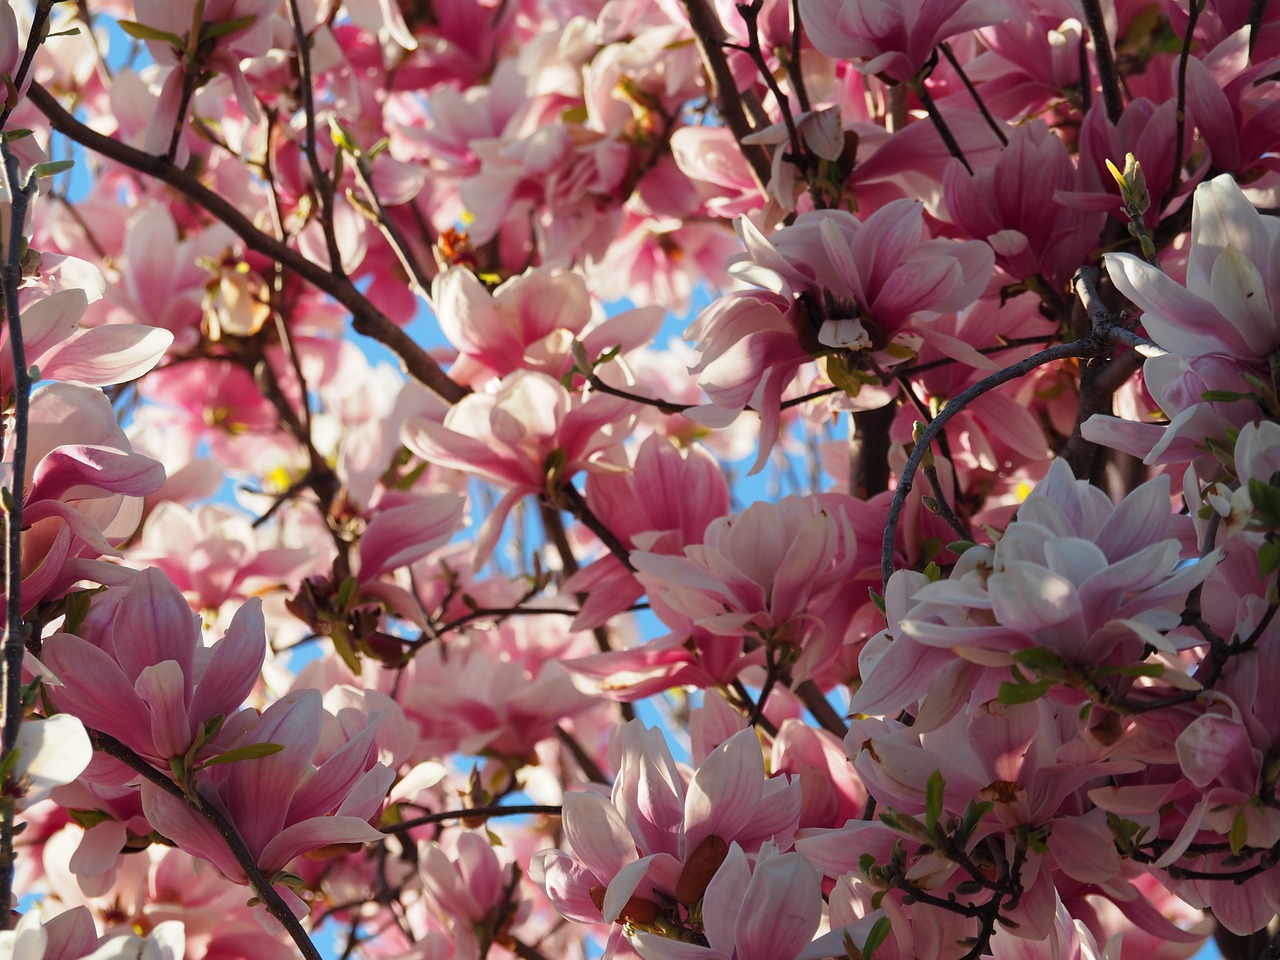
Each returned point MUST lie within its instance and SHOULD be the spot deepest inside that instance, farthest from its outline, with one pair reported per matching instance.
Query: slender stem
(322, 180)
(577, 505)
(750, 13)
(940, 124)
(587, 765)
(367, 319)
(793, 59)
(1257, 10)
(973, 93)
(1183, 58)
(258, 881)
(514, 810)
(39, 17)
(418, 277)
(1105, 58)
(14, 637)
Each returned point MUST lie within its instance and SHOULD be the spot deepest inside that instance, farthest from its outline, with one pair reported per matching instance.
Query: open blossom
(658, 841)
(831, 284)
(1086, 582)
(778, 572)
(529, 322)
(83, 487)
(283, 804)
(141, 674)
(528, 437)
(1219, 329)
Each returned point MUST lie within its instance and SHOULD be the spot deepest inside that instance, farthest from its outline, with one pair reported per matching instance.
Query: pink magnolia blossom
(529, 322)
(777, 572)
(659, 839)
(83, 487)
(283, 804)
(831, 285)
(664, 504)
(1075, 576)
(141, 674)
(213, 554)
(1218, 328)
(223, 54)
(892, 39)
(528, 437)
(1013, 207)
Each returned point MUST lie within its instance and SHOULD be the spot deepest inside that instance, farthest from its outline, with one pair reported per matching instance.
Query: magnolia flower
(894, 39)
(1219, 329)
(141, 674)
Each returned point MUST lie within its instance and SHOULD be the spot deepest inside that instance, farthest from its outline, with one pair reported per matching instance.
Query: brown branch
(742, 112)
(368, 320)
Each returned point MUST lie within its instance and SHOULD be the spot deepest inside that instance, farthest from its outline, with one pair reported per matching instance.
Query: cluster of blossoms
(299, 638)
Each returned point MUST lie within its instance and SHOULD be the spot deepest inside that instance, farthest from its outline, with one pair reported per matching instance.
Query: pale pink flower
(1013, 207)
(1219, 328)
(1076, 576)
(664, 504)
(895, 39)
(777, 572)
(214, 554)
(528, 438)
(528, 323)
(83, 487)
(223, 54)
(659, 840)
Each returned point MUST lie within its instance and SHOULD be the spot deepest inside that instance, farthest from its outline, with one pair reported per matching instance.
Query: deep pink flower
(283, 804)
(141, 674)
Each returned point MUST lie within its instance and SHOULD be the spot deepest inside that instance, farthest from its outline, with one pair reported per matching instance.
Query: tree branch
(368, 320)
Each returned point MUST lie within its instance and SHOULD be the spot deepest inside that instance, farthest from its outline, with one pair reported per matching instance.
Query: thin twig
(940, 124)
(418, 277)
(322, 180)
(1079, 348)
(14, 638)
(38, 18)
(1183, 58)
(1104, 56)
(741, 112)
(480, 813)
(973, 93)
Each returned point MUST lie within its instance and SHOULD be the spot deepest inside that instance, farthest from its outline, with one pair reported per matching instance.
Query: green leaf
(1266, 502)
(1268, 557)
(1037, 658)
(1224, 396)
(879, 933)
(216, 30)
(1012, 693)
(140, 31)
(250, 751)
(960, 547)
(1239, 835)
(933, 799)
(346, 591)
(877, 598)
(51, 168)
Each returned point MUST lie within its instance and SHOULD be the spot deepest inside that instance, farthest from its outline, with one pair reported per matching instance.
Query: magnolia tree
(495, 648)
